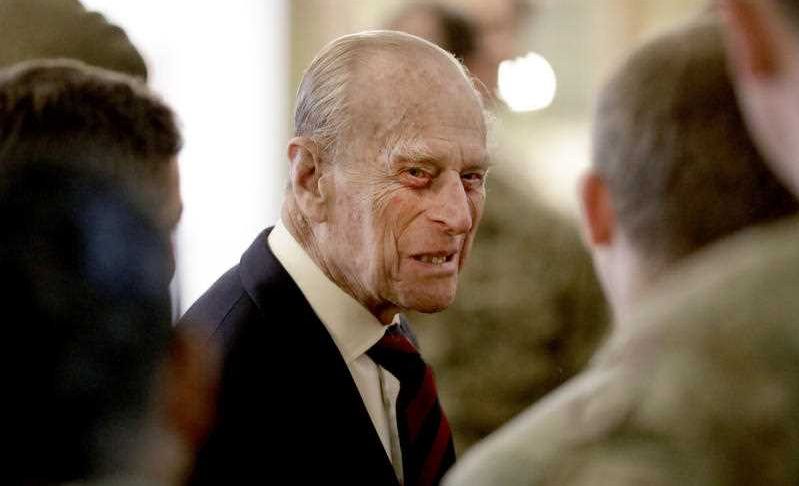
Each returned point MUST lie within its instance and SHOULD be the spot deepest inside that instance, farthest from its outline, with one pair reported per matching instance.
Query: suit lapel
(319, 387)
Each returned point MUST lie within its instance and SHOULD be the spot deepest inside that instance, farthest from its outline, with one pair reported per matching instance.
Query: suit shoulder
(221, 306)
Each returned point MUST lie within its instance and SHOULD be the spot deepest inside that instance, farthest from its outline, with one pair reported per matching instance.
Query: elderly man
(386, 187)
(669, 145)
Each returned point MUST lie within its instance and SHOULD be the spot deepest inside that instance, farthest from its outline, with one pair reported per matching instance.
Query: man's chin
(427, 304)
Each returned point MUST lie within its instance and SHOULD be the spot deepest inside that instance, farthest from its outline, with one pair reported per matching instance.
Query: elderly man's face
(408, 190)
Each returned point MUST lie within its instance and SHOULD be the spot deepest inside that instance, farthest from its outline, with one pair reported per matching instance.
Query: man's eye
(418, 173)
(473, 177)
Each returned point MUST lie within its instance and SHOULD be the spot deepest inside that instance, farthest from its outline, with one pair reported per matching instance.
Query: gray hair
(321, 110)
(671, 144)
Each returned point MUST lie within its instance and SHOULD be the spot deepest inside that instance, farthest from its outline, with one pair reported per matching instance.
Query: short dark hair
(673, 148)
(66, 110)
(85, 282)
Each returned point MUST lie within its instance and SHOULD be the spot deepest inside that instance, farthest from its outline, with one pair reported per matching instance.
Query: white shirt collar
(353, 328)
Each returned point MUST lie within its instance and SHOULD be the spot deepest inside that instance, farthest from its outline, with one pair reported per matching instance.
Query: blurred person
(98, 388)
(702, 387)
(675, 175)
(45, 29)
(386, 189)
(721, 399)
(719, 430)
(65, 29)
(67, 110)
(529, 312)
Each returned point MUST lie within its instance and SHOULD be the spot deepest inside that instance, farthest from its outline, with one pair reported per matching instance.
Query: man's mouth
(434, 258)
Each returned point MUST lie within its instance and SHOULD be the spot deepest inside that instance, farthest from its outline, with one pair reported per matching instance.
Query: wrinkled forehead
(412, 92)
(447, 147)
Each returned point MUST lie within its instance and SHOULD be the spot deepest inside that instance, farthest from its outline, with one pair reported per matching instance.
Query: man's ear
(305, 174)
(189, 386)
(599, 220)
(750, 38)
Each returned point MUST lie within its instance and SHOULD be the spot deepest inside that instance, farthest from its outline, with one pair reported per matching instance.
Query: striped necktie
(425, 436)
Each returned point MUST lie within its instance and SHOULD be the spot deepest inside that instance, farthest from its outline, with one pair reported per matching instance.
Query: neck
(386, 314)
(625, 277)
(299, 228)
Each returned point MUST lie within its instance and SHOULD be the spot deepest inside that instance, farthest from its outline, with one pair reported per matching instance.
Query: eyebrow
(486, 164)
(416, 151)
(411, 151)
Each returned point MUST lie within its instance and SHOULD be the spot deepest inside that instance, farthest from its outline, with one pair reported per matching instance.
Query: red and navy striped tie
(425, 436)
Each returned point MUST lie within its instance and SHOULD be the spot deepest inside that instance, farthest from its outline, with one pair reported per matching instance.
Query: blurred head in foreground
(673, 166)
(97, 383)
(57, 110)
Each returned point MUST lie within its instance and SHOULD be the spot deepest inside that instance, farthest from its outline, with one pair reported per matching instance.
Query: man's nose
(451, 207)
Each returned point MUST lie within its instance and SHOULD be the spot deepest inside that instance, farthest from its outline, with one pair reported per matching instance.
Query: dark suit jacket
(288, 406)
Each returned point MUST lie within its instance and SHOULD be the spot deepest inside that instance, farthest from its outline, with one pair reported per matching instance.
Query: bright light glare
(220, 65)
(527, 83)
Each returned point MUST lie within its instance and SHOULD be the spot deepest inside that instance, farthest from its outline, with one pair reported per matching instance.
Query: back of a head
(84, 277)
(40, 29)
(673, 148)
(66, 110)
